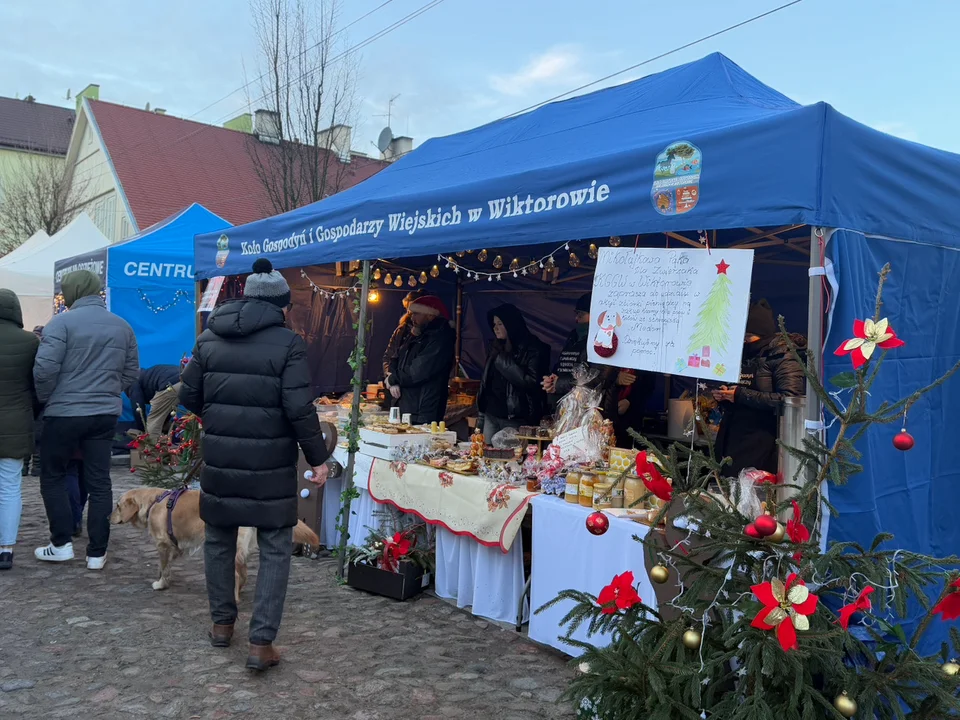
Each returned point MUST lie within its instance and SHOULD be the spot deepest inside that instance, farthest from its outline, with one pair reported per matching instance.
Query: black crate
(403, 585)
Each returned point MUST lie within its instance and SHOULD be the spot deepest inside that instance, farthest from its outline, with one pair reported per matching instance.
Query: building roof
(33, 126)
(165, 163)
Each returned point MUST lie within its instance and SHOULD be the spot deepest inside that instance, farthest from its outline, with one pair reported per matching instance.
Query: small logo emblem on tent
(223, 250)
(676, 179)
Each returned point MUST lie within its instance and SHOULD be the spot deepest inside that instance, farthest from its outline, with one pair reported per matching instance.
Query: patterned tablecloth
(464, 505)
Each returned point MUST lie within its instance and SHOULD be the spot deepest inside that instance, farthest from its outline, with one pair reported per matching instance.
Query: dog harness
(171, 496)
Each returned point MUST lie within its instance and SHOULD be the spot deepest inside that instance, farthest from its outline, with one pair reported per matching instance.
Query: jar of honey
(572, 492)
(633, 490)
(616, 490)
(602, 495)
(587, 481)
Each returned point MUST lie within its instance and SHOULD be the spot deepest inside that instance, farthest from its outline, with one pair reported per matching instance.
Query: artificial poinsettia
(867, 337)
(949, 607)
(861, 604)
(620, 594)
(652, 479)
(785, 608)
(394, 549)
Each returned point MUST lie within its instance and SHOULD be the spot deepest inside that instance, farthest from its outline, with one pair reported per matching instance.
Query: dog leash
(171, 496)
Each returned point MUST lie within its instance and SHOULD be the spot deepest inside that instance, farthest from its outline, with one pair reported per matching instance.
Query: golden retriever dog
(140, 508)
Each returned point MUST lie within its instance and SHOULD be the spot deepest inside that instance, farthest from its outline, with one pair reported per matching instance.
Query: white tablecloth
(567, 557)
(361, 508)
(481, 578)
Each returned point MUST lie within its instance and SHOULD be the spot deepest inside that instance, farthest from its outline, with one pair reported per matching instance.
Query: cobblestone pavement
(105, 645)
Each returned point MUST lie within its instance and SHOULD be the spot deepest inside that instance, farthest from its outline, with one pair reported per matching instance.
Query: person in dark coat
(18, 350)
(510, 392)
(633, 394)
(419, 376)
(249, 383)
(573, 356)
(402, 332)
(152, 380)
(751, 410)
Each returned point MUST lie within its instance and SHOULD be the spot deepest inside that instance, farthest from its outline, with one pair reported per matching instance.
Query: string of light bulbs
(331, 294)
(547, 262)
(157, 309)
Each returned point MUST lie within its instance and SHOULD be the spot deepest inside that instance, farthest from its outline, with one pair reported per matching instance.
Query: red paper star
(722, 267)
(949, 607)
(859, 605)
(619, 594)
(786, 608)
(652, 479)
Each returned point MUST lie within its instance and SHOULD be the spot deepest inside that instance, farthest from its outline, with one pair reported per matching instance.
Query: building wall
(15, 162)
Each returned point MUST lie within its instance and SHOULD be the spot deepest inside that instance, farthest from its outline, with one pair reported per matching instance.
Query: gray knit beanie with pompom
(267, 284)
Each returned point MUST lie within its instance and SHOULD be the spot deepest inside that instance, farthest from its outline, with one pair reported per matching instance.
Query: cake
(500, 453)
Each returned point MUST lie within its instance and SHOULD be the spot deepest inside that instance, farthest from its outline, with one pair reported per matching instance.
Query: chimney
(398, 147)
(337, 140)
(160, 111)
(91, 91)
(266, 126)
(241, 123)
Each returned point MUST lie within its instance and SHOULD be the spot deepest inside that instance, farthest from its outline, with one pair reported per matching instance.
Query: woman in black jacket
(751, 410)
(510, 392)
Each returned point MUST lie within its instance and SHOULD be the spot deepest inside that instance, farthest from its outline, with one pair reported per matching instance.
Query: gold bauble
(691, 639)
(659, 574)
(950, 668)
(845, 705)
(777, 537)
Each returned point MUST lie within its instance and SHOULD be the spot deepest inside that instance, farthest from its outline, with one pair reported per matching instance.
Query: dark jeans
(62, 437)
(219, 555)
(77, 491)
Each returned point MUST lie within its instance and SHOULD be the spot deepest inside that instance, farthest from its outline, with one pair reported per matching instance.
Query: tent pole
(456, 367)
(815, 337)
(353, 434)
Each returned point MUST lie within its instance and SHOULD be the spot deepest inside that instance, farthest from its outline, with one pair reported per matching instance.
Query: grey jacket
(87, 358)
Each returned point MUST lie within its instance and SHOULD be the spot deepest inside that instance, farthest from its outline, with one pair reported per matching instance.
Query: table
(362, 509)
(567, 557)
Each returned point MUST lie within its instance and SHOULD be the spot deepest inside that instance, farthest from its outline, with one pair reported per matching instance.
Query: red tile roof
(166, 163)
(34, 126)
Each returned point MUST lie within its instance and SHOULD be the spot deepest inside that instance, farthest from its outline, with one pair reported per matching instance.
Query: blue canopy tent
(769, 174)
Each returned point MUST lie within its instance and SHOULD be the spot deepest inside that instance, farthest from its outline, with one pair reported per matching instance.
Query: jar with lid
(616, 491)
(587, 481)
(633, 490)
(572, 492)
(602, 497)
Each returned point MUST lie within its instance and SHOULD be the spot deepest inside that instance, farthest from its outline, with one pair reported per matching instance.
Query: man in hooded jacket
(249, 382)
(87, 359)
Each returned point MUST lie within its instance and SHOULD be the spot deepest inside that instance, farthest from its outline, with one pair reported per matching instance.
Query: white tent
(28, 270)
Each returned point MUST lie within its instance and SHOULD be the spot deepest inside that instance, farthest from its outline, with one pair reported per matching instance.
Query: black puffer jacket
(422, 370)
(748, 429)
(18, 349)
(249, 382)
(520, 371)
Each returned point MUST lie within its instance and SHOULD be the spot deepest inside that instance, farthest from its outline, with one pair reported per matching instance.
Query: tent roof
(32, 274)
(29, 246)
(765, 162)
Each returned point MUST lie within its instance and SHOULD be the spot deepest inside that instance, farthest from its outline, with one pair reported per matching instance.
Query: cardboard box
(403, 585)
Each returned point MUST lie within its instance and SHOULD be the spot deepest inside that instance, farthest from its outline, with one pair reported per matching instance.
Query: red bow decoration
(396, 548)
(861, 604)
(868, 336)
(620, 594)
(949, 607)
(652, 479)
(785, 608)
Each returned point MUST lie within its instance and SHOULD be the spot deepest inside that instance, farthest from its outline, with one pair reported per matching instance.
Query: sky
(464, 63)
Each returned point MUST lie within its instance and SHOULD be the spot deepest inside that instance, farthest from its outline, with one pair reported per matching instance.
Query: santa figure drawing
(605, 341)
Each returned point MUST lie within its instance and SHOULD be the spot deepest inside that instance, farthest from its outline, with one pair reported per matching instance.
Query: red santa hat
(430, 305)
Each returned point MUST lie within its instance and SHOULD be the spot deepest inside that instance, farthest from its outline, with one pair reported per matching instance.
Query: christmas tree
(174, 460)
(765, 625)
(713, 322)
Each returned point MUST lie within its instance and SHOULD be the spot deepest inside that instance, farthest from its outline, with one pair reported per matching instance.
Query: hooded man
(18, 348)
(751, 410)
(419, 376)
(249, 382)
(87, 359)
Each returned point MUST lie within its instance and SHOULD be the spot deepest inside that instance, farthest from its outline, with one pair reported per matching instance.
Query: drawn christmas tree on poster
(713, 322)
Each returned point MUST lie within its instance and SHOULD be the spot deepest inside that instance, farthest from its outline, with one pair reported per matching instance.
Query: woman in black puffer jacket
(510, 390)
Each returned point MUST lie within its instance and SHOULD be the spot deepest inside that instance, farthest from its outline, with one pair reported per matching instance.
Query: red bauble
(751, 531)
(765, 525)
(903, 440)
(598, 523)
(607, 352)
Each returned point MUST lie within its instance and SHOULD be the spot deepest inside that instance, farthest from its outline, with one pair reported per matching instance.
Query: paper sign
(572, 444)
(210, 295)
(680, 312)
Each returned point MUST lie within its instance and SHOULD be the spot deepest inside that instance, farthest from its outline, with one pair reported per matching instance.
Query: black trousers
(62, 437)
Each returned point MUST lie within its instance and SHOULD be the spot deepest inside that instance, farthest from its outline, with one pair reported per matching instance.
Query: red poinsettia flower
(395, 549)
(785, 608)
(867, 337)
(861, 604)
(949, 607)
(134, 444)
(620, 594)
(652, 479)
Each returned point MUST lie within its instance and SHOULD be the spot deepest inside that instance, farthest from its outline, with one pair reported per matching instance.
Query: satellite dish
(386, 137)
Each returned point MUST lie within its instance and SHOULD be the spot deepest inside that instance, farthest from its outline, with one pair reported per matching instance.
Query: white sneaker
(96, 563)
(52, 553)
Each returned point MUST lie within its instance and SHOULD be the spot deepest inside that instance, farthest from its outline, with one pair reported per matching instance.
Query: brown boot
(262, 657)
(220, 635)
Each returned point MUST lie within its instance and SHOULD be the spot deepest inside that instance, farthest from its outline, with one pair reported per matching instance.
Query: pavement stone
(106, 645)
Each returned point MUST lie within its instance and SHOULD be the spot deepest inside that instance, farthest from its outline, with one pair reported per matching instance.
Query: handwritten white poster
(681, 312)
